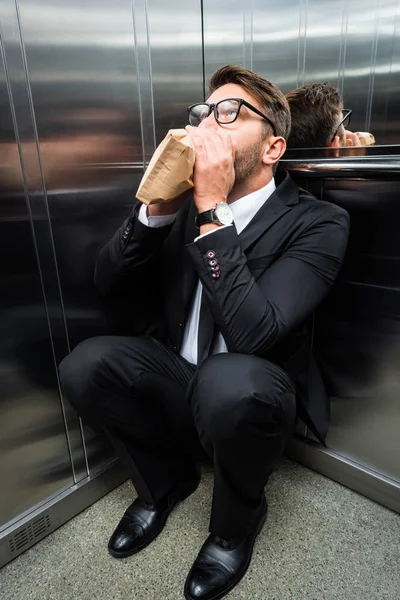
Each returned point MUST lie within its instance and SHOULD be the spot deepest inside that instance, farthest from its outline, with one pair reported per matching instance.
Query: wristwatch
(221, 214)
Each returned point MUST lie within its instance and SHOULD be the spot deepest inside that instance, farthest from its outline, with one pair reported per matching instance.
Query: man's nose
(209, 121)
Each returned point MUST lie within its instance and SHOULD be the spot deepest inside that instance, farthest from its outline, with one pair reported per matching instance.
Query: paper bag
(366, 138)
(170, 171)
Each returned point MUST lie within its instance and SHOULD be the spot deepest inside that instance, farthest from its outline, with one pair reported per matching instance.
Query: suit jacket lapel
(279, 203)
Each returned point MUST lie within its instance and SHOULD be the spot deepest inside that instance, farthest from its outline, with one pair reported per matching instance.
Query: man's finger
(200, 142)
(211, 143)
(228, 143)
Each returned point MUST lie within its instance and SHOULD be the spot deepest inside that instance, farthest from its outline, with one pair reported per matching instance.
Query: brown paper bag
(170, 171)
(366, 138)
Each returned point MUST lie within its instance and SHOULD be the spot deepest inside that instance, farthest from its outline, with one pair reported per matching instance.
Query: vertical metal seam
(203, 52)
(305, 41)
(35, 131)
(34, 125)
(153, 119)
(244, 38)
(28, 207)
(299, 43)
(24, 177)
(343, 46)
(135, 44)
(374, 52)
(340, 50)
(251, 34)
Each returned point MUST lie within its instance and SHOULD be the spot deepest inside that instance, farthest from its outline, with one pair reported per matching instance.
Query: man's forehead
(230, 90)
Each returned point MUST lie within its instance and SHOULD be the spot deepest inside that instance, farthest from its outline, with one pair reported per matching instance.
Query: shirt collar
(246, 207)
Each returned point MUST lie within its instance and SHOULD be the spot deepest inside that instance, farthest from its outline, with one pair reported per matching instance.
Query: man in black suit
(226, 280)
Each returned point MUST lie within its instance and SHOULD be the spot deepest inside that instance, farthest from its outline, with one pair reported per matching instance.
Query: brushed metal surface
(82, 76)
(175, 48)
(33, 526)
(357, 329)
(374, 167)
(103, 76)
(352, 44)
(279, 45)
(37, 201)
(92, 87)
(350, 473)
(34, 451)
(356, 333)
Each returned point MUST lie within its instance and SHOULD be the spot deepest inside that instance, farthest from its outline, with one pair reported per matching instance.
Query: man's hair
(316, 110)
(271, 100)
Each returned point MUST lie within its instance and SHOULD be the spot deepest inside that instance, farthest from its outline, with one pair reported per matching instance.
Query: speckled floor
(321, 541)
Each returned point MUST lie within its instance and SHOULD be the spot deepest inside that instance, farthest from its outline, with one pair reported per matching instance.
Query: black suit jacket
(272, 277)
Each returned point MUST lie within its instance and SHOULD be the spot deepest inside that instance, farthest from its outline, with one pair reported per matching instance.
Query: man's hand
(167, 208)
(214, 173)
(352, 139)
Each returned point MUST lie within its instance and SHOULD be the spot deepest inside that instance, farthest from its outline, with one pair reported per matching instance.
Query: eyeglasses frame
(348, 112)
(241, 102)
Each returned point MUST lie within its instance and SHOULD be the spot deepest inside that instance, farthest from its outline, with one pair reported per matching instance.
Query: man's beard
(247, 162)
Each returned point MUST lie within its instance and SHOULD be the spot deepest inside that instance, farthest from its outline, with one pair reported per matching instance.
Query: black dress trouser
(156, 408)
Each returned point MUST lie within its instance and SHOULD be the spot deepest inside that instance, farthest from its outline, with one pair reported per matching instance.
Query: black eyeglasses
(225, 112)
(345, 121)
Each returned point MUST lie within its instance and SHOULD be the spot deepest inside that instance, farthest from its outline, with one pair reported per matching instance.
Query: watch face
(224, 214)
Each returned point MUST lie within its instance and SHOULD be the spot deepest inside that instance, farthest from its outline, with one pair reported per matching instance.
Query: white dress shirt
(243, 211)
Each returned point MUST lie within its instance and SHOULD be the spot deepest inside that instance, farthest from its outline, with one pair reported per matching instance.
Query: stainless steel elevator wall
(93, 87)
(356, 330)
(34, 449)
(353, 44)
(87, 90)
(101, 89)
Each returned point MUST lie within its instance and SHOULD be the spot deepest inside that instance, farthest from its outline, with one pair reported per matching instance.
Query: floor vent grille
(29, 534)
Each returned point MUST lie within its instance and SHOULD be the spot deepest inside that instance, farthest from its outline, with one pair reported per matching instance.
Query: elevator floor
(321, 541)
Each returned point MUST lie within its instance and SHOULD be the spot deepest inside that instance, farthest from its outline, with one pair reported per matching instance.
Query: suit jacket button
(216, 275)
(175, 348)
(213, 262)
(210, 254)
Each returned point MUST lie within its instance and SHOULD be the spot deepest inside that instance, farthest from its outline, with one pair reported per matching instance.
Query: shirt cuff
(158, 221)
(212, 231)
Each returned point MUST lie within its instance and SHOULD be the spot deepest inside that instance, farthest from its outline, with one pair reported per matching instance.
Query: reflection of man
(318, 118)
(231, 274)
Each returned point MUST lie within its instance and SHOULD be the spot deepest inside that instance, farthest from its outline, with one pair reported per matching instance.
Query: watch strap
(208, 216)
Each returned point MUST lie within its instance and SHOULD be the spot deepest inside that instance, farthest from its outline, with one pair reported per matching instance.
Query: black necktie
(206, 330)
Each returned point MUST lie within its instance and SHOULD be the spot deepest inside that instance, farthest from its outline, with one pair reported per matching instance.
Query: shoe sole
(180, 498)
(234, 584)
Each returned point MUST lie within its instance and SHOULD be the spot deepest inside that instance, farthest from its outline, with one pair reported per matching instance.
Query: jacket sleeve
(254, 315)
(131, 262)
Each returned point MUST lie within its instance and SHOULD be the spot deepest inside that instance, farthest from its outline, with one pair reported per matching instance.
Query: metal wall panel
(101, 88)
(175, 46)
(353, 44)
(385, 120)
(34, 453)
(36, 195)
(95, 85)
(360, 61)
(82, 74)
(278, 53)
(356, 329)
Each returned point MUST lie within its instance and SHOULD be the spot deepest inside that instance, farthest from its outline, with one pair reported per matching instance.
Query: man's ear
(275, 148)
(336, 142)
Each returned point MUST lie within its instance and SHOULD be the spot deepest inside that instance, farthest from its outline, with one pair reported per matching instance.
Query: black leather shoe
(142, 522)
(219, 567)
